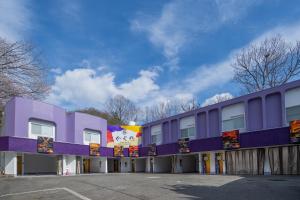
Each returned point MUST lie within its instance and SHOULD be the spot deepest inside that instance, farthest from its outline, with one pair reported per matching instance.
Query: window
(236, 122)
(156, 137)
(292, 105)
(233, 118)
(91, 137)
(42, 129)
(187, 127)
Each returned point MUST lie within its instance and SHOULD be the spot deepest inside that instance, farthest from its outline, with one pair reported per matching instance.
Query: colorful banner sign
(118, 151)
(124, 136)
(295, 131)
(219, 163)
(133, 151)
(152, 150)
(206, 163)
(94, 149)
(45, 145)
(231, 139)
(184, 145)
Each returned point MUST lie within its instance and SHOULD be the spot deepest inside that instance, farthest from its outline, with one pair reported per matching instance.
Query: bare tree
(122, 109)
(267, 64)
(189, 105)
(21, 72)
(104, 115)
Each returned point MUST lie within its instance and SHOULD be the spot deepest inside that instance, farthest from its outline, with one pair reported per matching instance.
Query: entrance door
(19, 165)
(206, 163)
(133, 165)
(86, 165)
(116, 165)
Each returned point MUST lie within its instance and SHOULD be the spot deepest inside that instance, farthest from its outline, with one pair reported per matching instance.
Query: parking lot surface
(150, 186)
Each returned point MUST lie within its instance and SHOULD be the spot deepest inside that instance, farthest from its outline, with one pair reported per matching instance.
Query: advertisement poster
(231, 139)
(94, 149)
(152, 150)
(124, 136)
(206, 163)
(133, 151)
(118, 151)
(219, 163)
(295, 131)
(184, 145)
(45, 145)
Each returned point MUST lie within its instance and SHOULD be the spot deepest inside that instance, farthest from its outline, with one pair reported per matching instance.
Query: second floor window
(42, 129)
(233, 117)
(156, 137)
(91, 137)
(187, 127)
(292, 105)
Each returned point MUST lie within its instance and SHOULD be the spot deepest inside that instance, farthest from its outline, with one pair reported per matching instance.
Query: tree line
(265, 64)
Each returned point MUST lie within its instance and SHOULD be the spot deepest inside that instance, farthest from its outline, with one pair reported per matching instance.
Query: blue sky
(148, 51)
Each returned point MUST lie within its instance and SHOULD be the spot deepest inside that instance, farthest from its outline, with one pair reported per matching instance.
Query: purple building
(261, 118)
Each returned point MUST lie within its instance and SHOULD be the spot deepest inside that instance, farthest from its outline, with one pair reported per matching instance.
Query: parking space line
(45, 190)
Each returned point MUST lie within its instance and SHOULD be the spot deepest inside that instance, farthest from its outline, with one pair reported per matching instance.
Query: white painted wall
(99, 165)
(8, 163)
(69, 164)
(125, 165)
(162, 164)
(34, 163)
(148, 163)
(140, 164)
(212, 162)
(292, 97)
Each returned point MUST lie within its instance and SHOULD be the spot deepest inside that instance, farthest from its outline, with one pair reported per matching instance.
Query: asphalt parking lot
(150, 186)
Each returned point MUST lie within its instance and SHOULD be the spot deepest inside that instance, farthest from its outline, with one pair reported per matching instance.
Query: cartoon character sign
(295, 131)
(124, 136)
(94, 149)
(45, 145)
(231, 139)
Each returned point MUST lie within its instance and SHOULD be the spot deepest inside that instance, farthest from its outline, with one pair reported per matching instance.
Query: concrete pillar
(69, 164)
(8, 164)
(267, 169)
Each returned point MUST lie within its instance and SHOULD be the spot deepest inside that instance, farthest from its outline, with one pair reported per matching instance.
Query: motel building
(255, 134)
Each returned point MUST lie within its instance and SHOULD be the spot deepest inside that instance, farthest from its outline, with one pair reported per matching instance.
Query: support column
(9, 163)
(212, 163)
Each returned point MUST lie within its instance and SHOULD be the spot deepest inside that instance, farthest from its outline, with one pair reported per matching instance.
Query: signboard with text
(45, 145)
(231, 139)
(295, 131)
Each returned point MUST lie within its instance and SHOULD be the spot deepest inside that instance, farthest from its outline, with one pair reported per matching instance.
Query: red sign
(295, 131)
(133, 151)
(231, 139)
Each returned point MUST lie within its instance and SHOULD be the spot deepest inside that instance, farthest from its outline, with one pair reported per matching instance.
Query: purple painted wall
(69, 126)
(263, 110)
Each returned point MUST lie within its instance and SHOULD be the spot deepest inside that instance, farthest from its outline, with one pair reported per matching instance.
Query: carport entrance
(138, 165)
(189, 163)
(39, 164)
(162, 164)
(113, 165)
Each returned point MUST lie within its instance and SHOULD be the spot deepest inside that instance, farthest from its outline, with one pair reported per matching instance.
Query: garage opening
(189, 163)
(162, 164)
(138, 165)
(39, 164)
(113, 165)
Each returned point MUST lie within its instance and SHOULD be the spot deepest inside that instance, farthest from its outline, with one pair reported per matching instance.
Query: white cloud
(15, 19)
(217, 98)
(180, 22)
(84, 87)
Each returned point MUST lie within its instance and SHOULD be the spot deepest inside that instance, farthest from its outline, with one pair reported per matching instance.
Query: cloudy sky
(148, 51)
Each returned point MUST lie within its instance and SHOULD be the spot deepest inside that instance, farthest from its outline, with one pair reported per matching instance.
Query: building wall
(263, 110)
(69, 126)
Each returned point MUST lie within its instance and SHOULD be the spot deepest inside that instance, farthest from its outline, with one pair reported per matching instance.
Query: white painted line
(152, 177)
(45, 190)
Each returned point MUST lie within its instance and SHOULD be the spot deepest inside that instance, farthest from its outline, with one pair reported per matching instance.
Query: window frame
(286, 120)
(41, 123)
(155, 133)
(85, 131)
(242, 129)
(188, 127)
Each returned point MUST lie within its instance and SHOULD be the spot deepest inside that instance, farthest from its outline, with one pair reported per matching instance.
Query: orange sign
(231, 139)
(295, 131)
